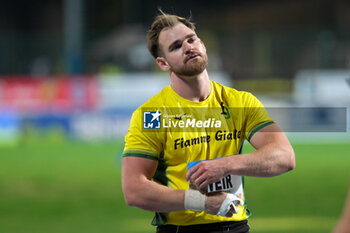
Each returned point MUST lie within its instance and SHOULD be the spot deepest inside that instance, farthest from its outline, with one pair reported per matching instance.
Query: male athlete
(182, 157)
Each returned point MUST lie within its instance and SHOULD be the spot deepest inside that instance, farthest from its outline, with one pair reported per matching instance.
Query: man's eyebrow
(176, 42)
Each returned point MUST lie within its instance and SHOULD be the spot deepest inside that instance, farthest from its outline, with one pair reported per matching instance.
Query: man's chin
(192, 71)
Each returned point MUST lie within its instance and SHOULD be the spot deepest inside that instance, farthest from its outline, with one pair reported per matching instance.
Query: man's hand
(214, 202)
(206, 172)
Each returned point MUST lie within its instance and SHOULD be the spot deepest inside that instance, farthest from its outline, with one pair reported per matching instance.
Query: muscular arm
(273, 156)
(140, 191)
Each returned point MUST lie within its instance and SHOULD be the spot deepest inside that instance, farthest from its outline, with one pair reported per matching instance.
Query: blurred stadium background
(72, 72)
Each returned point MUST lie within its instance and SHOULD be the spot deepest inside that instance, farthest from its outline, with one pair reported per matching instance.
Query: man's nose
(187, 47)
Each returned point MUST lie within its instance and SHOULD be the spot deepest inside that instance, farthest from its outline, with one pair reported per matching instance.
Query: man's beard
(193, 68)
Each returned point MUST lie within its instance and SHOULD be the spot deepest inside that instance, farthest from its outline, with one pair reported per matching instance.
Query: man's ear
(162, 63)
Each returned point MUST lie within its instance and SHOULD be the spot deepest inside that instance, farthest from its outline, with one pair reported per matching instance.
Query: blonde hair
(161, 22)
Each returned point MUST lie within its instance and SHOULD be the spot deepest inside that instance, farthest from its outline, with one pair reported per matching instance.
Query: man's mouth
(191, 57)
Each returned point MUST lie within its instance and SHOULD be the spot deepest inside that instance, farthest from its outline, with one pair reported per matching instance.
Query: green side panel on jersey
(245, 200)
(160, 174)
(161, 178)
(159, 219)
(241, 149)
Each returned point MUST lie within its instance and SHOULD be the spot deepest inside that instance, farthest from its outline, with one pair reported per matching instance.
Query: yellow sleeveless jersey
(175, 131)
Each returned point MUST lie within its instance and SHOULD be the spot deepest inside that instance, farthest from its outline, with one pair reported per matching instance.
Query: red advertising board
(31, 94)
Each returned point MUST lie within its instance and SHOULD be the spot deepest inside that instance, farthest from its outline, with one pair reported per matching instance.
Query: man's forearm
(270, 160)
(151, 196)
(140, 191)
(274, 156)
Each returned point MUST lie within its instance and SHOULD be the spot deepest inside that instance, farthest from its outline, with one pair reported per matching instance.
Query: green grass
(76, 187)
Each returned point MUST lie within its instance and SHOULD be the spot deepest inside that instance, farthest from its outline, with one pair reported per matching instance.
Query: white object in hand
(231, 200)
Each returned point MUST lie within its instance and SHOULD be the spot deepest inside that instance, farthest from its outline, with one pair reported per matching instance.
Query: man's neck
(195, 89)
